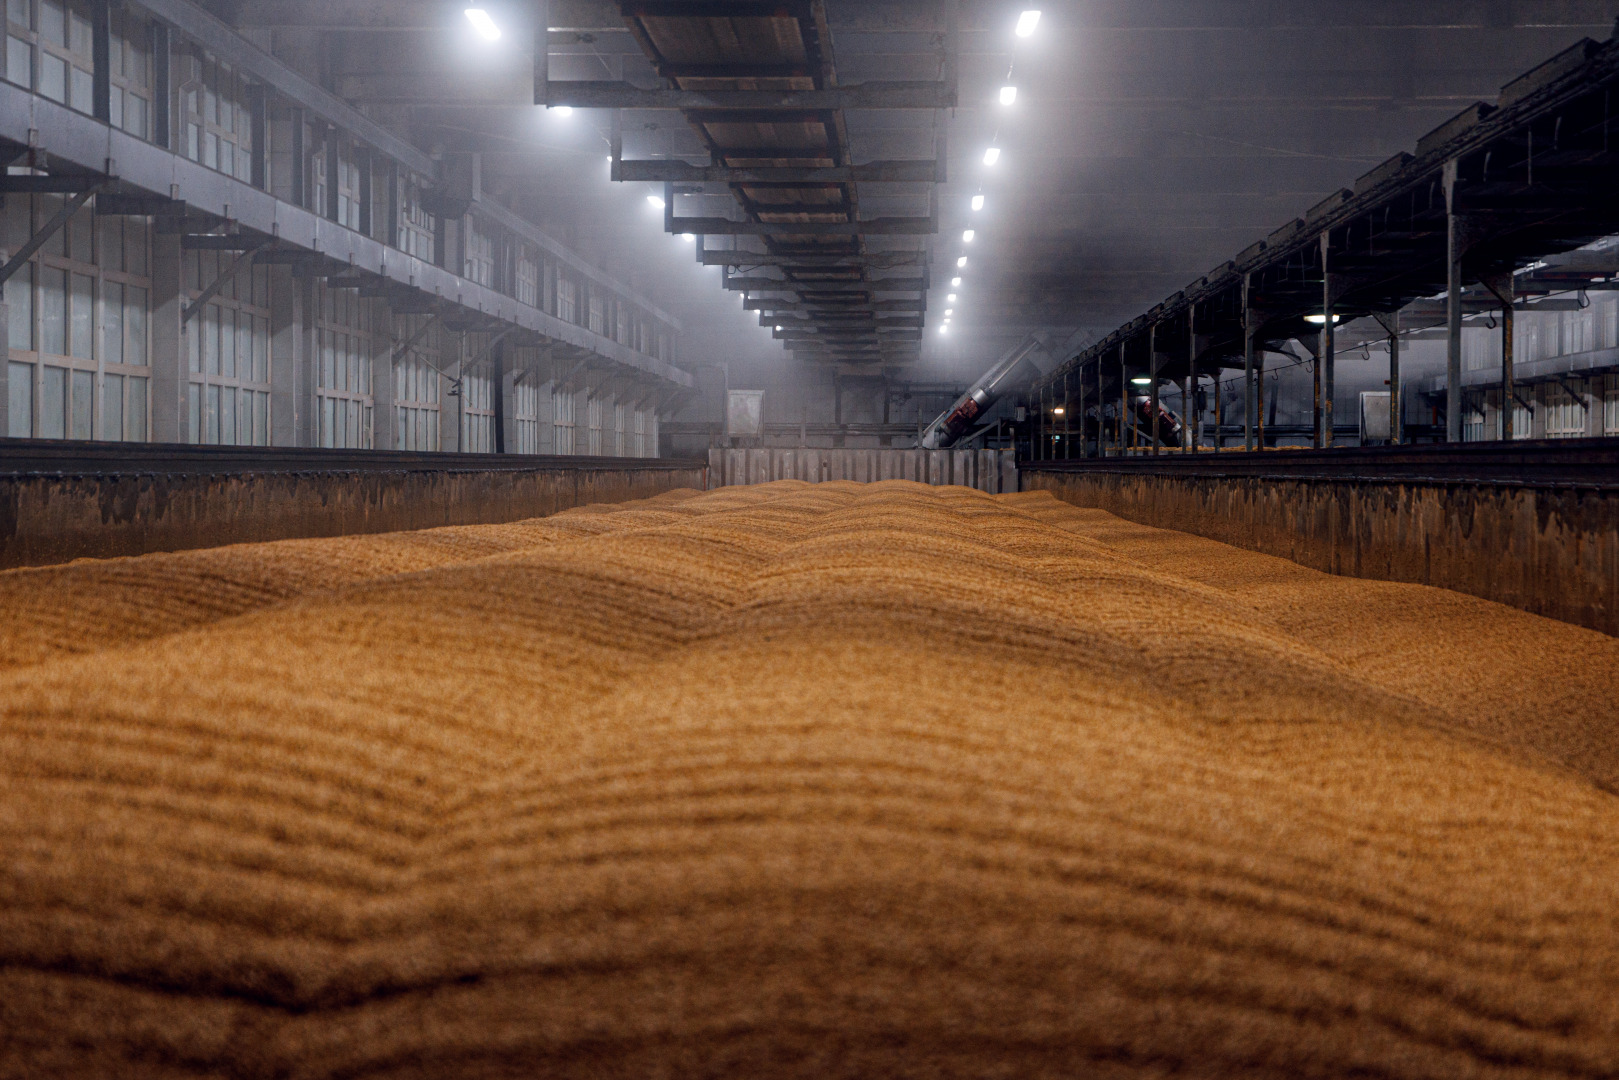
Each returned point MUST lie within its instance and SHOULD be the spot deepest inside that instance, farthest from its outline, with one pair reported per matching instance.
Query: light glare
(655, 201)
(565, 110)
(688, 237)
(978, 202)
(1026, 23)
(1008, 95)
(483, 24)
(955, 282)
(992, 155)
(961, 261)
(951, 299)
(967, 237)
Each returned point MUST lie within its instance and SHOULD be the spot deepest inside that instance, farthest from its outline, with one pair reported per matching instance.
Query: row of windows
(1542, 335)
(1562, 414)
(67, 405)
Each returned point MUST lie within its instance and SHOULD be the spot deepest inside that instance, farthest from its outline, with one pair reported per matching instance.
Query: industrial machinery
(1013, 370)
(1170, 429)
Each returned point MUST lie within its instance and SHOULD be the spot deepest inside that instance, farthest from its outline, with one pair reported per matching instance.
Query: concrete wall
(1552, 550)
(987, 470)
(134, 507)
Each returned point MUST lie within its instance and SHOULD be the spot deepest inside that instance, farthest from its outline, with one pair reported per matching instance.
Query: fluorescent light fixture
(992, 155)
(1321, 320)
(1008, 95)
(778, 328)
(1026, 23)
(967, 237)
(978, 202)
(1058, 411)
(951, 299)
(942, 329)
(566, 110)
(949, 312)
(1141, 380)
(481, 22)
(961, 261)
(955, 282)
(688, 237)
(655, 201)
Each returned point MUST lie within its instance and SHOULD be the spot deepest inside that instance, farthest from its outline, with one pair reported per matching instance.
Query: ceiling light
(688, 237)
(655, 201)
(1008, 95)
(962, 261)
(967, 237)
(778, 329)
(1321, 320)
(978, 202)
(1026, 23)
(481, 22)
(1141, 380)
(949, 312)
(942, 329)
(955, 281)
(1058, 411)
(566, 110)
(951, 298)
(992, 155)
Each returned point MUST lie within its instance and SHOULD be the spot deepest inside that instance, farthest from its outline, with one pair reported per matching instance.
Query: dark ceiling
(1151, 139)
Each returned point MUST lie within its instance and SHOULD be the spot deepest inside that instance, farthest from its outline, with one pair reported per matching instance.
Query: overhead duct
(1012, 370)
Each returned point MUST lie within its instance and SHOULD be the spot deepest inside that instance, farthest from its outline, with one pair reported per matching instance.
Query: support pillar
(1124, 402)
(291, 369)
(1329, 343)
(1189, 391)
(1152, 387)
(1501, 286)
(1391, 323)
(1453, 304)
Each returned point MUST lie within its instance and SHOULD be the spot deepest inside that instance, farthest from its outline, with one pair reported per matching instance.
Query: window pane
(328, 359)
(53, 403)
(53, 21)
(244, 343)
(53, 77)
(261, 350)
(194, 411)
(84, 315)
(20, 303)
(227, 343)
(227, 414)
(213, 416)
(261, 419)
(79, 231)
(54, 323)
(20, 400)
(112, 322)
(18, 12)
(210, 339)
(227, 158)
(135, 115)
(83, 90)
(20, 62)
(135, 410)
(83, 404)
(135, 325)
(112, 407)
(134, 245)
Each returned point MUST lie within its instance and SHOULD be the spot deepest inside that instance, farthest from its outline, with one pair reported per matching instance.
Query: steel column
(1152, 388)
(1248, 397)
(1453, 308)
(1328, 342)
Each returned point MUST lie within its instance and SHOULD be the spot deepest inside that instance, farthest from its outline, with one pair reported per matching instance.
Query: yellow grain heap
(797, 781)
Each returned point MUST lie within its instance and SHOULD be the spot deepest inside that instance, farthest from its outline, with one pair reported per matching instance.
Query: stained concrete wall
(1552, 550)
(987, 470)
(151, 504)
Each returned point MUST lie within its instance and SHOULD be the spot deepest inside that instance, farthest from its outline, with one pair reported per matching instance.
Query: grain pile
(797, 780)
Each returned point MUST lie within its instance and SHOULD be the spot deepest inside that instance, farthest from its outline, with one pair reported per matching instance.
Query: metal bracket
(43, 236)
(190, 310)
(410, 343)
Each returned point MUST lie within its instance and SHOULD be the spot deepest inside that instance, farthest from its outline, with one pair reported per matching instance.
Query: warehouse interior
(809, 538)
